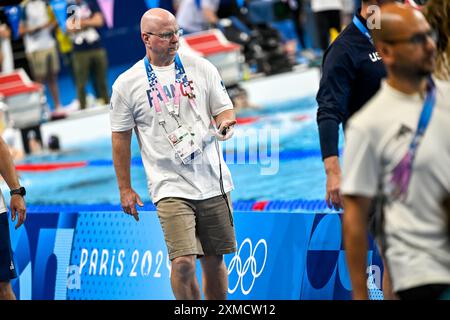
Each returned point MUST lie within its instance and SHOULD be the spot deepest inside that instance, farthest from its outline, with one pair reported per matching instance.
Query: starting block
(213, 46)
(25, 104)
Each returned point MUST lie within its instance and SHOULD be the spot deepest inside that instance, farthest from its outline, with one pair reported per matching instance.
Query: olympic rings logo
(250, 263)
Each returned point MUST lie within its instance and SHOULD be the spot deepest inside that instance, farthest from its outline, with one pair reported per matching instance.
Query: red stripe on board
(260, 205)
(301, 117)
(30, 167)
(247, 120)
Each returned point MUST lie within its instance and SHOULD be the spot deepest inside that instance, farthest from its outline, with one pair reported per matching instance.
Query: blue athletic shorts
(7, 267)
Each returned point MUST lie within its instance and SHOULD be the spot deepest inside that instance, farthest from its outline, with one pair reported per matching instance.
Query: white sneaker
(90, 101)
(73, 106)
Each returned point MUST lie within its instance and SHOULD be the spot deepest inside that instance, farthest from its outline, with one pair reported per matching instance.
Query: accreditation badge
(183, 144)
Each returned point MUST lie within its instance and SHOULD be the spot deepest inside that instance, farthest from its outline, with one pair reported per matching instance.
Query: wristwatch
(20, 191)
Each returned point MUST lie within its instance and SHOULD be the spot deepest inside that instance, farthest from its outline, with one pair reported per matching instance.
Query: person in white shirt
(36, 26)
(170, 101)
(398, 152)
(197, 15)
(18, 210)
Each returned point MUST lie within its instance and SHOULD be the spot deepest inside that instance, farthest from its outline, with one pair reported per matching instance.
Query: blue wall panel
(108, 255)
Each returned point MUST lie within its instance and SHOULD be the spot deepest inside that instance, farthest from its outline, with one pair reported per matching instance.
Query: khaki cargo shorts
(43, 62)
(197, 227)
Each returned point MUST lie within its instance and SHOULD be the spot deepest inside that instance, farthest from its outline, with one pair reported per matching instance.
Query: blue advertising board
(108, 255)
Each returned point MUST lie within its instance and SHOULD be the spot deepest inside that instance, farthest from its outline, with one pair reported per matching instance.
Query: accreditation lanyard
(402, 172)
(425, 117)
(361, 27)
(156, 87)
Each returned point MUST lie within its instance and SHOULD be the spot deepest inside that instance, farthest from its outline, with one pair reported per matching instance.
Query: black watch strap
(20, 191)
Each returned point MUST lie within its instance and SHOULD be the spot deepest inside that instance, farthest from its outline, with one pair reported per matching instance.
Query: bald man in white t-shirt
(172, 102)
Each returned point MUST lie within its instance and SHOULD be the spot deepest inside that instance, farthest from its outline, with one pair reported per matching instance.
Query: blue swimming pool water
(299, 176)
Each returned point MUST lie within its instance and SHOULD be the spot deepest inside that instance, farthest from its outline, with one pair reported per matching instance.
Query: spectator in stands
(40, 46)
(65, 48)
(5, 34)
(437, 13)
(283, 22)
(14, 56)
(327, 14)
(169, 5)
(18, 210)
(6, 43)
(89, 56)
(197, 15)
(298, 16)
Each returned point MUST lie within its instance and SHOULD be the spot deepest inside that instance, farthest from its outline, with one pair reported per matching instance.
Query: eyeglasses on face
(416, 39)
(167, 35)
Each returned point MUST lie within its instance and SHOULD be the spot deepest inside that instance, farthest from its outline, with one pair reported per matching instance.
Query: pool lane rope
(285, 155)
(297, 205)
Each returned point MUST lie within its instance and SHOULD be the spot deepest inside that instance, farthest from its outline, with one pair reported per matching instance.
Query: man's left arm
(8, 172)
(354, 231)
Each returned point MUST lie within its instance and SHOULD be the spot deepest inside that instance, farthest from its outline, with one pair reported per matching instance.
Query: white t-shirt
(325, 5)
(190, 16)
(36, 15)
(377, 138)
(166, 175)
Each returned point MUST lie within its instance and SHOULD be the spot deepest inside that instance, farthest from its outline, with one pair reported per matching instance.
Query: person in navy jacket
(351, 74)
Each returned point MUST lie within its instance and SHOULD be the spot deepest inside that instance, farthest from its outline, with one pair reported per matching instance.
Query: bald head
(405, 42)
(160, 34)
(153, 19)
(397, 21)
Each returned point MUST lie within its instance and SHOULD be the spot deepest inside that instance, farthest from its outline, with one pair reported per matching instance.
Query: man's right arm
(121, 144)
(335, 85)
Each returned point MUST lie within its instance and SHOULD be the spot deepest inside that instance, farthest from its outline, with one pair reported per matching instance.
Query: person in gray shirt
(391, 155)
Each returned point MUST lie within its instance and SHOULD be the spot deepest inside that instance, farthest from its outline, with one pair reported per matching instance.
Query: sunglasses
(416, 39)
(167, 35)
